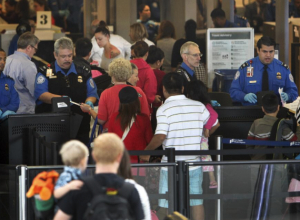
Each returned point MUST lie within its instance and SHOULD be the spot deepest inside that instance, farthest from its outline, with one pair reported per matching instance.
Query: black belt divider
(293, 149)
(38, 152)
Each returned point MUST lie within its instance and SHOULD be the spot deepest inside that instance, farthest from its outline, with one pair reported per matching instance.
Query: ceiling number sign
(43, 20)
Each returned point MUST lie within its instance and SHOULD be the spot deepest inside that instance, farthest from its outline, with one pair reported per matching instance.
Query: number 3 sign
(43, 19)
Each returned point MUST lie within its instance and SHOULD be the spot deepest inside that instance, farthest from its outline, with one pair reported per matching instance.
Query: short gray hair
(27, 39)
(63, 43)
(186, 46)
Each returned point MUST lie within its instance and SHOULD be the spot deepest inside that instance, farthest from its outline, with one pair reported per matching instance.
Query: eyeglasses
(195, 54)
(34, 48)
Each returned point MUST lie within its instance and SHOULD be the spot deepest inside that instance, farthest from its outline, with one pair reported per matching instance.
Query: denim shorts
(196, 177)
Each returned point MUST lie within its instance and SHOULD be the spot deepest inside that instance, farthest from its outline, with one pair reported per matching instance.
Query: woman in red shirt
(129, 124)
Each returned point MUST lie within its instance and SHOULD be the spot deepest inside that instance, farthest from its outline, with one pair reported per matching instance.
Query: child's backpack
(108, 203)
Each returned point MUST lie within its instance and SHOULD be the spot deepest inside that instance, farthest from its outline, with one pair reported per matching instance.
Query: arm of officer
(236, 91)
(41, 89)
(291, 88)
(47, 96)
(92, 94)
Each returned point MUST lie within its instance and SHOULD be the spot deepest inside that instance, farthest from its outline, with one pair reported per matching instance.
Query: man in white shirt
(180, 124)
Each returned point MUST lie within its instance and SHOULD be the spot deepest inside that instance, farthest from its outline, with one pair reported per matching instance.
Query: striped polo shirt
(181, 120)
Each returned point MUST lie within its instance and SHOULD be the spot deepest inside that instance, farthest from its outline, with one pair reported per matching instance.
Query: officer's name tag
(49, 72)
(250, 71)
(254, 81)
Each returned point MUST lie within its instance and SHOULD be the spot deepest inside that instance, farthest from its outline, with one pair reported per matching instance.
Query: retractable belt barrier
(288, 147)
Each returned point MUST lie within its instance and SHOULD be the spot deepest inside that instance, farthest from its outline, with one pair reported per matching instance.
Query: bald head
(108, 148)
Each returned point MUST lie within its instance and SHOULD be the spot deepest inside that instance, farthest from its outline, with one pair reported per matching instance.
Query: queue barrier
(16, 180)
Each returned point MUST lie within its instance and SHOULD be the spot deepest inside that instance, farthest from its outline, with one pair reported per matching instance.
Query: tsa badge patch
(92, 83)
(291, 77)
(237, 75)
(40, 80)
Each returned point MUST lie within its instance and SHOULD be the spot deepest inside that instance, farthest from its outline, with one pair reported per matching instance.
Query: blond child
(74, 155)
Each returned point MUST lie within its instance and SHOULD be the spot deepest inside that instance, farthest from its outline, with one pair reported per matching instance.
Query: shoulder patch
(40, 80)
(92, 83)
(237, 75)
(291, 77)
(285, 65)
(244, 65)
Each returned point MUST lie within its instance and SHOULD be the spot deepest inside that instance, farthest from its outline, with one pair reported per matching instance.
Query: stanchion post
(182, 203)
(54, 150)
(219, 157)
(43, 150)
(170, 153)
(32, 153)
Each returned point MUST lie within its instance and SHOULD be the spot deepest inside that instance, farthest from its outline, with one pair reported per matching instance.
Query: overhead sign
(43, 19)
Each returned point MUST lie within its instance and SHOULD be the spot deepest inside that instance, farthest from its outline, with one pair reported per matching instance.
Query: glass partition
(248, 191)
(147, 175)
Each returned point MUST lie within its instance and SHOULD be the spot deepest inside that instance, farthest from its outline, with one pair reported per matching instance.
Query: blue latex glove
(8, 112)
(250, 97)
(69, 98)
(90, 104)
(214, 103)
(284, 96)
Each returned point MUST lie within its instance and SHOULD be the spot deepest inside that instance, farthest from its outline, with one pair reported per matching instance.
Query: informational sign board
(43, 19)
(228, 48)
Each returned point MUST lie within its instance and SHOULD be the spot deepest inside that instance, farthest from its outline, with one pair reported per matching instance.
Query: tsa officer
(263, 73)
(9, 98)
(219, 19)
(64, 78)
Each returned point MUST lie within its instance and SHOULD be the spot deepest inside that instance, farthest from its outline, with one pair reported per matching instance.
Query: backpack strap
(126, 189)
(273, 137)
(93, 185)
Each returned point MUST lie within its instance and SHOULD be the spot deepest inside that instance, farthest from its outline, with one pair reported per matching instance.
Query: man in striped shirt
(180, 124)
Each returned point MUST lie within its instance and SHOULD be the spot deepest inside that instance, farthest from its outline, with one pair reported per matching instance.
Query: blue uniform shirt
(152, 28)
(41, 84)
(241, 21)
(279, 76)
(74, 6)
(9, 98)
(229, 24)
(187, 68)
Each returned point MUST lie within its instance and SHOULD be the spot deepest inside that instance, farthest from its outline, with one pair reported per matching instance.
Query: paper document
(280, 90)
(292, 106)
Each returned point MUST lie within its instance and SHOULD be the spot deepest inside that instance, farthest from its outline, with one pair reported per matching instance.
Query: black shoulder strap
(126, 190)
(93, 67)
(274, 130)
(93, 185)
(273, 137)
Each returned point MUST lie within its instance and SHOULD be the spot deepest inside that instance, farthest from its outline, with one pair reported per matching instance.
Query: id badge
(250, 71)
(49, 72)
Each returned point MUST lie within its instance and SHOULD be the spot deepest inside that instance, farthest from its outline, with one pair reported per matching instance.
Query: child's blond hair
(73, 152)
